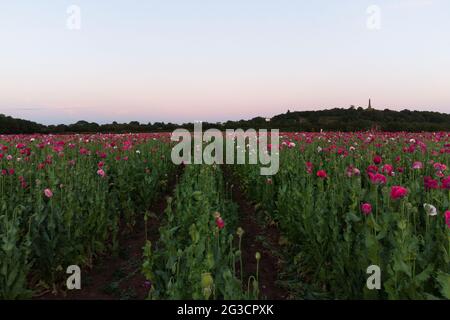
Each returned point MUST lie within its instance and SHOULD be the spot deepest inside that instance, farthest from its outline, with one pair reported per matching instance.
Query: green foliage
(194, 258)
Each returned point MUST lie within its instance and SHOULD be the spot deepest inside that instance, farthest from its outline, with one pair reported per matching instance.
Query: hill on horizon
(337, 119)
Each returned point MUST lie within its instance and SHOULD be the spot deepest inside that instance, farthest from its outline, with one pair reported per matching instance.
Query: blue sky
(217, 60)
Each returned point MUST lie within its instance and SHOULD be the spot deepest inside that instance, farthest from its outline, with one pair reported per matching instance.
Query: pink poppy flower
(352, 171)
(417, 165)
(101, 173)
(309, 167)
(439, 166)
(388, 169)
(48, 193)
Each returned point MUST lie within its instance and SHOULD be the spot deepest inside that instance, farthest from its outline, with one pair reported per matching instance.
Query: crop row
(196, 256)
(63, 201)
(345, 202)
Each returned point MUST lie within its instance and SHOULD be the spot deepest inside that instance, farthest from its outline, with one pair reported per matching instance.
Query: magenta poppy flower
(377, 178)
(366, 208)
(220, 223)
(377, 160)
(398, 192)
(372, 168)
(446, 183)
(430, 183)
(147, 285)
(321, 174)
(447, 218)
(84, 151)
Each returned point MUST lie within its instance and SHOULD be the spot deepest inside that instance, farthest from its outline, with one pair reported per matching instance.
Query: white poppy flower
(430, 209)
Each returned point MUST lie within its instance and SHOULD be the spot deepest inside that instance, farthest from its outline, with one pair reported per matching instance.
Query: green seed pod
(207, 280)
(197, 195)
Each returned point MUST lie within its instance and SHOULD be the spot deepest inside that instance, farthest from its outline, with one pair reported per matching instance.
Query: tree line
(338, 119)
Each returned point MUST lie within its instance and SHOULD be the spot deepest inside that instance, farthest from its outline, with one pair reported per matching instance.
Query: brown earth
(257, 238)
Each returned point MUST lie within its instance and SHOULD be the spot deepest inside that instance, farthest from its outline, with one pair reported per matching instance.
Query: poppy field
(347, 201)
(339, 204)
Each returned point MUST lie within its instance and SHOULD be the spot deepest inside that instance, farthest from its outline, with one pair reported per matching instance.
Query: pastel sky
(179, 60)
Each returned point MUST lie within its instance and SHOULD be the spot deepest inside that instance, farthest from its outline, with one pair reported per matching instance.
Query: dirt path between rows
(257, 238)
(120, 277)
